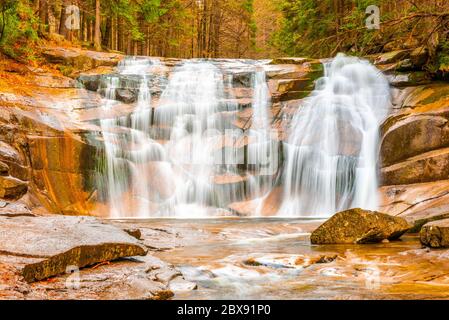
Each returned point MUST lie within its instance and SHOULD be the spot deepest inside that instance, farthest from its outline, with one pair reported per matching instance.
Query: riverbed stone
(359, 226)
(435, 234)
(42, 247)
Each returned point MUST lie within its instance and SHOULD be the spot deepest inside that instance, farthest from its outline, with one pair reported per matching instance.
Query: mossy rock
(358, 226)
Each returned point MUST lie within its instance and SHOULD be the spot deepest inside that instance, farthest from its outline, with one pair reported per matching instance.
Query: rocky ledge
(96, 258)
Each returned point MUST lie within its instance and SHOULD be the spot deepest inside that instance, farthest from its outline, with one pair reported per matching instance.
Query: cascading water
(191, 119)
(129, 148)
(331, 152)
(177, 152)
(262, 150)
(179, 161)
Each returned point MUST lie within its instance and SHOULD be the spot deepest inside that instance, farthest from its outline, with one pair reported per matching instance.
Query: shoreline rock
(42, 247)
(358, 226)
(435, 234)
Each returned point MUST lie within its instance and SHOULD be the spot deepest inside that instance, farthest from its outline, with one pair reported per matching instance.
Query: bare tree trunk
(97, 30)
(43, 16)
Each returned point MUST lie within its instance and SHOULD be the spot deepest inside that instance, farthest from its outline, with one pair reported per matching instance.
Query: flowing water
(271, 258)
(331, 153)
(179, 153)
(175, 155)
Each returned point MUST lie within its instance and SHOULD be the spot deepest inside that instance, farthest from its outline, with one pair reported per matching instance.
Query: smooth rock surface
(426, 167)
(417, 203)
(47, 245)
(8, 209)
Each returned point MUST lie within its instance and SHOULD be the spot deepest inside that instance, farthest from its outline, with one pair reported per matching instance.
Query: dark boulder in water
(359, 226)
(435, 234)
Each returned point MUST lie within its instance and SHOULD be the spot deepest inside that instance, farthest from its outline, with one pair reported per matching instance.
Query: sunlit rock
(12, 188)
(46, 246)
(359, 226)
(435, 234)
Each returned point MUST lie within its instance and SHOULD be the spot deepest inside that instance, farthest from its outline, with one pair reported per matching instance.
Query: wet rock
(141, 285)
(304, 84)
(290, 60)
(8, 209)
(12, 188)
(90, 82)
(180, 284)
(407, 79)
(243, 79)
(435, 234)
(426, 167)
(54, 162)
(126, 95)
(417, 203)
(80, 60)
(412, 136)
(8, 153)
(419, 57)
(359, 226)
(404, 66)
(136, 233)
(391, 57)
(427, 98)
(4, 169)
(42, 247)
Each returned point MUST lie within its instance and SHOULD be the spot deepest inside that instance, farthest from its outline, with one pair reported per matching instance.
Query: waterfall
(262, 150)
(178, 153)
(331, 152)
(192, 119)
(128, 148)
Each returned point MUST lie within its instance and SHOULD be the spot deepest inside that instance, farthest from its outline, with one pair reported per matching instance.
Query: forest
(226, 29)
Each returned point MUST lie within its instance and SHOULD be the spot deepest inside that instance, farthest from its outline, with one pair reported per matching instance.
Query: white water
(174, 164)
(263, 151)
(128, 149)
(331, 153)
(180, 159)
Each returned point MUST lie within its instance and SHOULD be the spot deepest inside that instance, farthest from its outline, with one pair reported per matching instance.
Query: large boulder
(359, 226)
(435, 234)
(42, 247)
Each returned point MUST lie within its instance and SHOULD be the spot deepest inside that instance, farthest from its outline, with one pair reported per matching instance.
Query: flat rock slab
(43, 247)
(8, 209)
(359, 226)
(435, 234)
